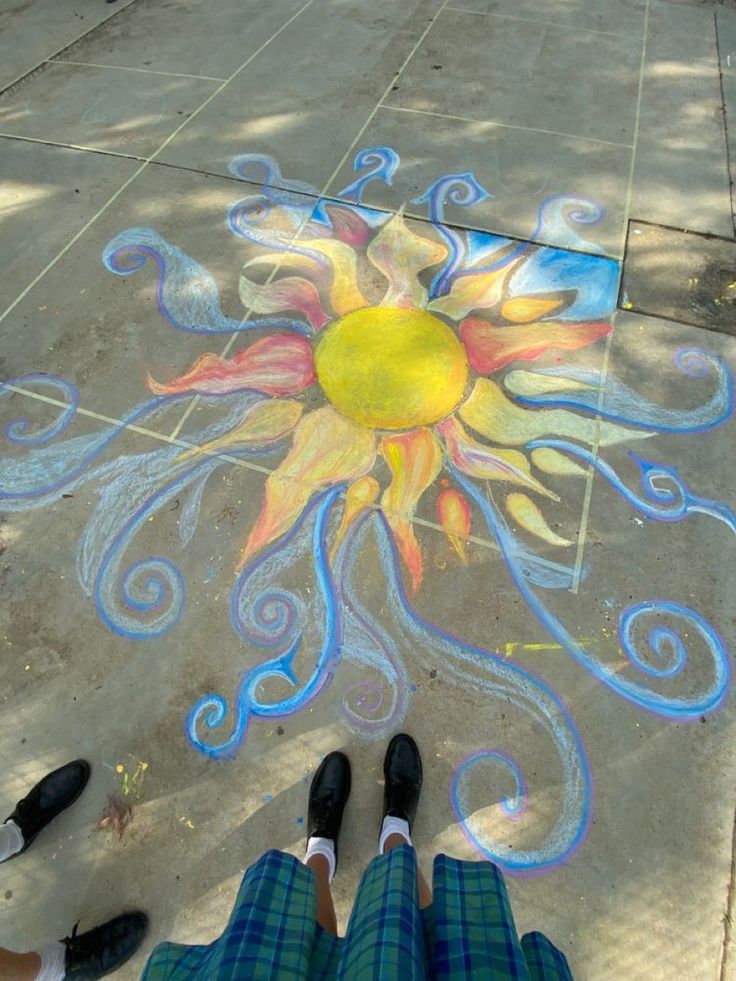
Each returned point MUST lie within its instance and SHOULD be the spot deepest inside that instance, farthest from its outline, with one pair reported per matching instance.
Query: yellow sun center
(391, 369)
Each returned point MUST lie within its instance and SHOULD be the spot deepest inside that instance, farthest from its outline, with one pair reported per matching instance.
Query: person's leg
(325, 906)
(402, 771)
(425, 893)
(19, 967)
(328, 796)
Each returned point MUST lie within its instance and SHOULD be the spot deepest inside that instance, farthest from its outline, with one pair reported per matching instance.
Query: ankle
(393, 841)
(394, 832)
(321, 853)
(15, 966)
(51, 962)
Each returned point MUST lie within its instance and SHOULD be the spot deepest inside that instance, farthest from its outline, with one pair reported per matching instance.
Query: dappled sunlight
(18, 195)
(266, 125)
(677, 70)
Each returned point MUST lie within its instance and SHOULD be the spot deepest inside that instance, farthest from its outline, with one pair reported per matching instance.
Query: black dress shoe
(102, 950)
(328, 796)
(402, 770)
(51, 795)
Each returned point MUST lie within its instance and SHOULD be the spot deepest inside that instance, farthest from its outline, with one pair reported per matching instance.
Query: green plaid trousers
(467, 932)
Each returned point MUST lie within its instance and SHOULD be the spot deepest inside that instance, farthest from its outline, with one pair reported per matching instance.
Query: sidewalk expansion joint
(729, 163)
(727, 919)
(42, 64)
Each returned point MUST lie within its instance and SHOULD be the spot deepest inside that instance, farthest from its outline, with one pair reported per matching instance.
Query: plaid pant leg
(175, 962)
(270, 934)
(546, 962)
(385, 936)
(474, 935)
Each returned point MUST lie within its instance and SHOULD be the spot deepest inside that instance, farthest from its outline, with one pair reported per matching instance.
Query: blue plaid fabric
(546, 962)
(474, 932)
(385, 936)
(468, 932)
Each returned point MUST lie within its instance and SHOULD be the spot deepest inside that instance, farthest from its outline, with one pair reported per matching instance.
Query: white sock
(322, 846)
(393, 826)
(11, 840)
(53, 961)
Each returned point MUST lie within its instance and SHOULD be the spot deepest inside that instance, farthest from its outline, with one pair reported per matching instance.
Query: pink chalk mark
(278, 365)
(490, 348)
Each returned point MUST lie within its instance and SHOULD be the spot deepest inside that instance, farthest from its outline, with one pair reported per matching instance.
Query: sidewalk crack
(729, 162)
(727, 918)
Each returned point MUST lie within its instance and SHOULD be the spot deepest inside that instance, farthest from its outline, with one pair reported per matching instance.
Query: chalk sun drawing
(429, 375)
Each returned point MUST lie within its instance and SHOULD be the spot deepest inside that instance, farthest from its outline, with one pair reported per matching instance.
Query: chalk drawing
(431, 390)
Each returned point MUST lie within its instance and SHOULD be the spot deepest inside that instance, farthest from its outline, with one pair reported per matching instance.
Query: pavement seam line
(193, 402)
(72, 146)
(637, 121)
(75, 238)
(127, 68)
(729, 162)
(394, 80)
(315, 194)
(585, 514)
(65, 47)
(587, 497)
(723, 969)
(492, 122)
(543, 23)
(133, 428)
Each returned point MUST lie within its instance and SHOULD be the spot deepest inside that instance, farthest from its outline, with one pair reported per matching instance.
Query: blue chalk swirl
(622, 404)
(21, 431)
(384, 163)
(504, 685)
(458, 189)
(186, 293)
(210, 712)
(677, 707)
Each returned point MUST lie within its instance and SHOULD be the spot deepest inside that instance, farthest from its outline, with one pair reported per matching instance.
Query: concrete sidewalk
(171, 173)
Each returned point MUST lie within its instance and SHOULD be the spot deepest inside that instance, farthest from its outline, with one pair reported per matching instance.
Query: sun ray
(525, 309)
(359, 496)
(286, 293)
(553, 462)
(522, 382)
(415, 460)
(475, 291)
(528, 516)
(494, 416)
(327, 449)
(453, 513)
(345, 293)
(348, 225)
(264, 423)
(400, 254)
(281, 364)
(490, 348)
(485, 462)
